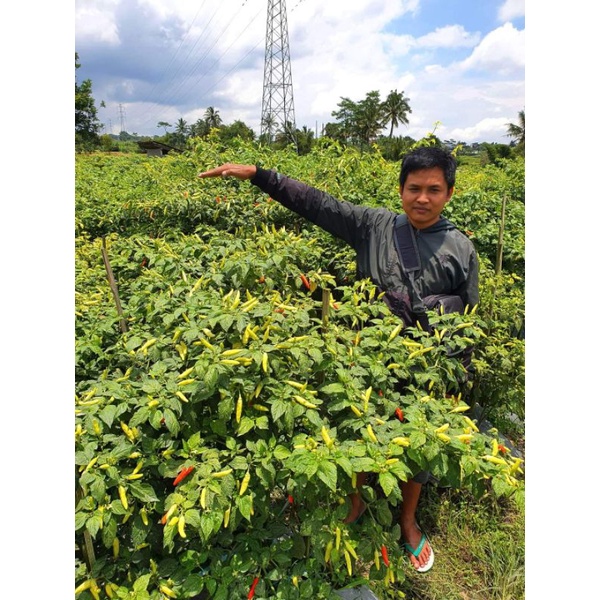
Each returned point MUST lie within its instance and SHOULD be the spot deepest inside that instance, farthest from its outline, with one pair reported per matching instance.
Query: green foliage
(87, 124)
(108, 144)
(499, 383)
(494, 153)
(229, 367)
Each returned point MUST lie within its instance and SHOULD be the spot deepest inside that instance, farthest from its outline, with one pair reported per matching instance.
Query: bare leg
(357, 505)
(411, 491)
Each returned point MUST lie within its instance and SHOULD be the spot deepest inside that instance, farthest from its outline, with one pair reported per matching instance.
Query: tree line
(357, 123)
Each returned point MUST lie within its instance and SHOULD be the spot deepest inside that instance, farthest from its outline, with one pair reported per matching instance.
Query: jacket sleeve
(469, 291)
(344, 220)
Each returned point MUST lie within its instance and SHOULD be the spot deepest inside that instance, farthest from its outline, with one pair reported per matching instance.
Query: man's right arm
(344, 220)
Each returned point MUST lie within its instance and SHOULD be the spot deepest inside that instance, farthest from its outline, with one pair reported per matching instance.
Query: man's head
(428, 158)
(427, 181)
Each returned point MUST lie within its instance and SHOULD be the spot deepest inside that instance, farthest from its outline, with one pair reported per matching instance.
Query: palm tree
(199, 129)
(304, 137)
(181, 131)
(395, 109)
(268, 127)
(181, 128)
(212, 117)
(518, 131)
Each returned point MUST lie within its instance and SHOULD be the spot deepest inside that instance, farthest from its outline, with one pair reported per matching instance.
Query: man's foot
(357, 508)
(418, 545)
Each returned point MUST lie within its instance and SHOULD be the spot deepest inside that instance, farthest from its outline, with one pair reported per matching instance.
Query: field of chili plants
(233, 376)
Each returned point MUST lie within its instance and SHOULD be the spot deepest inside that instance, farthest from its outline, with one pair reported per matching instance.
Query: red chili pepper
(399, 414)
(502, 448)
(380, 393)
(291, 499)
(384, 554)
(144, 262)
(251, 592)
(305, 282)
(183, 474)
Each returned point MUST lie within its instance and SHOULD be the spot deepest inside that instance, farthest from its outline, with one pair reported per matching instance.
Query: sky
(460, 63)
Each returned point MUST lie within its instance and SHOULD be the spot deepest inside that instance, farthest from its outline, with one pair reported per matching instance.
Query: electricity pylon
(278, 95)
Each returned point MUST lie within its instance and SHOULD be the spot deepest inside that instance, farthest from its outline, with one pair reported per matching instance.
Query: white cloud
(511, 9)
(363, 16)
(95, 21)
(451, 36)
(502, 51)
(485, 129)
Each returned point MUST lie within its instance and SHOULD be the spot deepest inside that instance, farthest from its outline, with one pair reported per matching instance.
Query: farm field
(233, 376)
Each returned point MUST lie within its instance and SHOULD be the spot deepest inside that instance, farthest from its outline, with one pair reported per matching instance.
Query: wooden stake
(113, 287)
(500, 247)
(325, 309)
(88, 546)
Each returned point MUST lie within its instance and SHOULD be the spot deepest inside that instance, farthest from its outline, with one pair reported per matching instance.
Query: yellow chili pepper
(123, 497)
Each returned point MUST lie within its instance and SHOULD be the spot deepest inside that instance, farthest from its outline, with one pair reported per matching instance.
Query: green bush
(230, 365)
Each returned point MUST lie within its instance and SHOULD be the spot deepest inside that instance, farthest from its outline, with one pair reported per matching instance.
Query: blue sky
(461, 63)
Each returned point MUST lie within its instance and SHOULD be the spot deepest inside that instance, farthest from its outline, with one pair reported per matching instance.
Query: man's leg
(411, 491)
(357, 504)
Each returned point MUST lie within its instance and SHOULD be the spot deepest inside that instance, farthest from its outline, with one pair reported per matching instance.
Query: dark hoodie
(448, 259)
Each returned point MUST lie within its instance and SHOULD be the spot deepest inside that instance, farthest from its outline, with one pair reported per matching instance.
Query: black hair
(428, 157)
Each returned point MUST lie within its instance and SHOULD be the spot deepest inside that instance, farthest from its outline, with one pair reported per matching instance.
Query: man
(449, 265)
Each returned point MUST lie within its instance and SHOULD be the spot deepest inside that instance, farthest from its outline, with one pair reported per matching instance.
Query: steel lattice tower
(278, 96)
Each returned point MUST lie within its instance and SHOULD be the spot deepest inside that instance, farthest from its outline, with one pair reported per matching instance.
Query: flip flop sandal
(416, 551)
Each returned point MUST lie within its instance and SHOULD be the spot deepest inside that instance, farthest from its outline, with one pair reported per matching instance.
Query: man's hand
(231, 170)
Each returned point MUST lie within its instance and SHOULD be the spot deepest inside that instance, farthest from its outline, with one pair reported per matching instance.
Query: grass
(479, 546)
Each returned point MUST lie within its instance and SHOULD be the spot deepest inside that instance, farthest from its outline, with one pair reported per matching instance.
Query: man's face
(424, 195)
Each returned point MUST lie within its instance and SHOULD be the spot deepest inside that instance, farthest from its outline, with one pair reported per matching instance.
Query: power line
(173, 92)
(166, 69)
(225, 52)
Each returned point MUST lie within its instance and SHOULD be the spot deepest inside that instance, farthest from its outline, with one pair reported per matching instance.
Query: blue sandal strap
(416, 551)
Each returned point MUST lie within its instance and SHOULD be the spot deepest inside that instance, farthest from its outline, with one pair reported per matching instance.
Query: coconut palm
(268, 127)
(199, 129)
(212, 117)
(395, 109)
(517, 132)
(181, 128)
(181, 131)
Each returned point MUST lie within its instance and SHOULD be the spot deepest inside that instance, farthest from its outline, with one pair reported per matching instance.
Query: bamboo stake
(500, 247)
(325, 308)
(88, 546)
(499, 252)
(113, 287)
